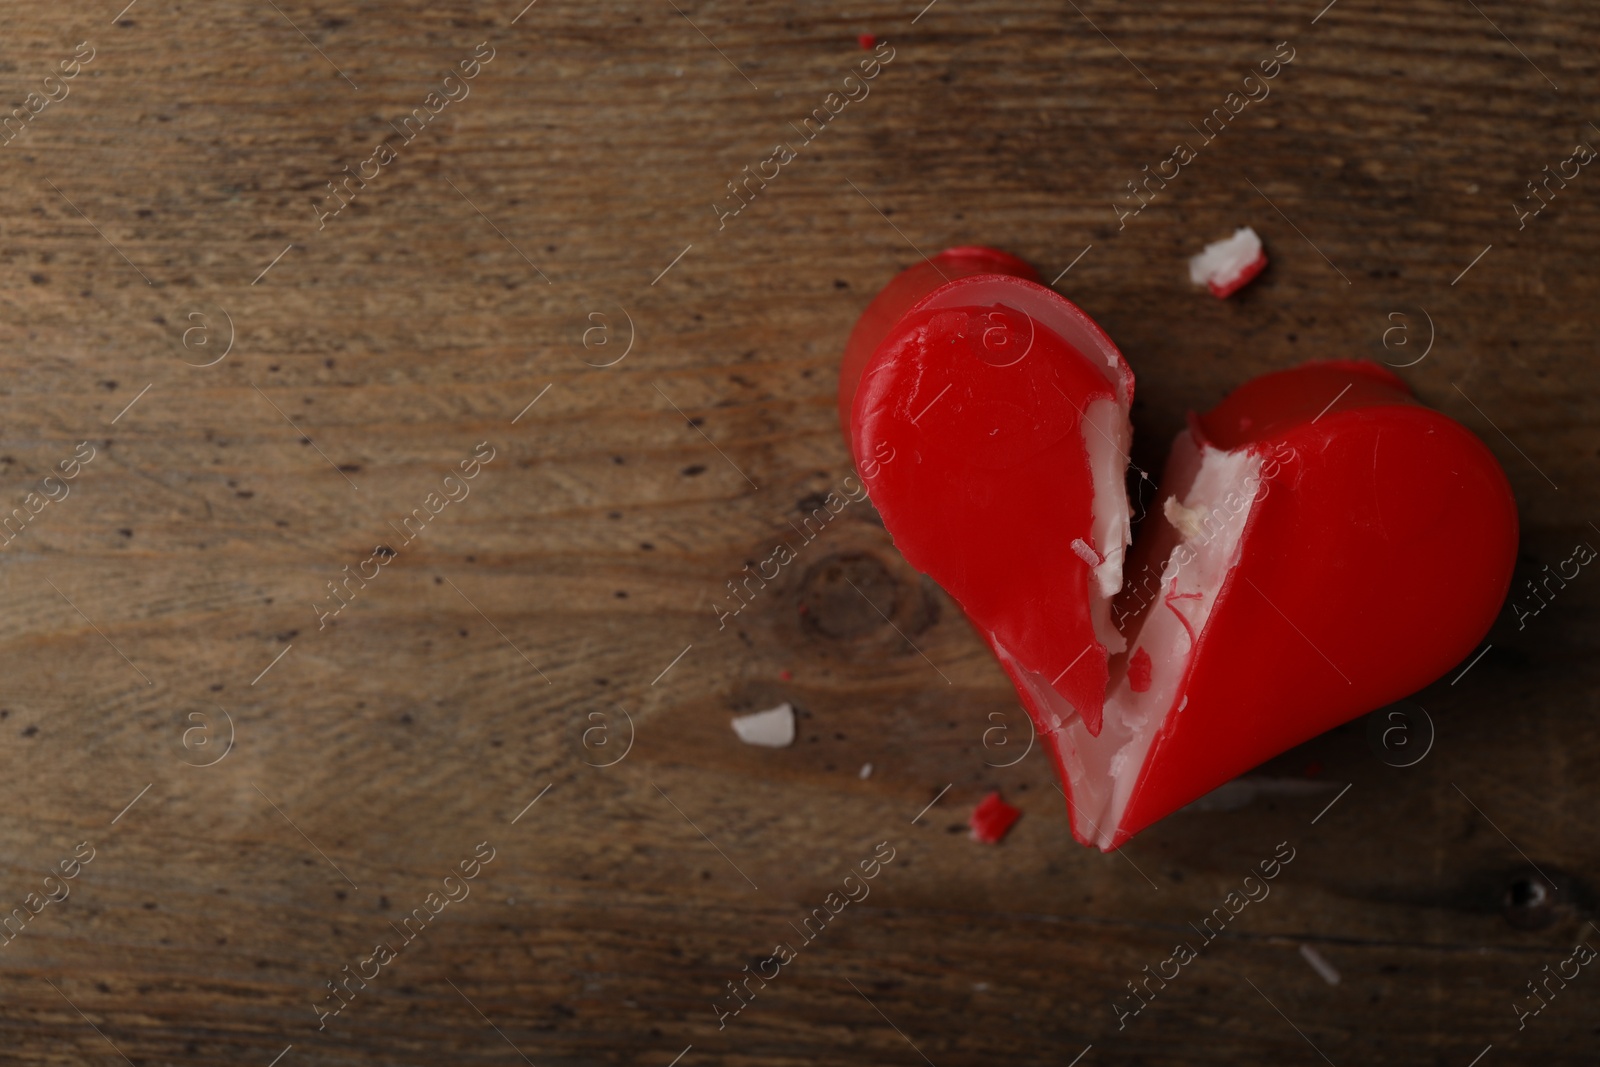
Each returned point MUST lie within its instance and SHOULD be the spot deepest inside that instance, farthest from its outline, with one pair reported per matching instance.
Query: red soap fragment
(867, 41)
(934, 370)
(992, 818)
(1226, 288)
(786, 675)
(1139, 671)
(1228, 265)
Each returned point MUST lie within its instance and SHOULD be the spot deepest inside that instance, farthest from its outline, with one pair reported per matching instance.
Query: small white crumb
(1086, 552)
(1320, 965)
(773, 728)
(866, 771)
(980, 987)
(1227, 264)
(1185, 520)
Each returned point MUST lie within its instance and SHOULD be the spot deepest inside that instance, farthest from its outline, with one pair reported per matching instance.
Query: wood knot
(1531, 901)
(851, 596)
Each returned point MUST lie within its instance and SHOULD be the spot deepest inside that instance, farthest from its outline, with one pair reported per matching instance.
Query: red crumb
(1240, 280)
(786, 675)
(992, 818)
(1139, 668)
(867, 41)
(1313, 769)
(804, 609)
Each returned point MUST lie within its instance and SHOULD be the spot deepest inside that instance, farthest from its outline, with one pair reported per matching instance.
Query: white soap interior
(1211, 495)
(1107, 436)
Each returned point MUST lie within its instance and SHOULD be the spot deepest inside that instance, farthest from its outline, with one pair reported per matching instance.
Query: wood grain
(508, 648)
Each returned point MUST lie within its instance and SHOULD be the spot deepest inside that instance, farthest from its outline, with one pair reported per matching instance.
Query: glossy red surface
(1376, 557)
(980, 403)
(896, 298)
(1377, 560)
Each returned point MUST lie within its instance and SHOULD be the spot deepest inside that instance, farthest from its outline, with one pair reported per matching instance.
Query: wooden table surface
(267, 790)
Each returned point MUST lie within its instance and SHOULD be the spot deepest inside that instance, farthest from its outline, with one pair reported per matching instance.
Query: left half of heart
(1325, 544)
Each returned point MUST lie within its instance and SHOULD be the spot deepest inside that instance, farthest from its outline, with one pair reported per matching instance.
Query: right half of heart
(1324, 544)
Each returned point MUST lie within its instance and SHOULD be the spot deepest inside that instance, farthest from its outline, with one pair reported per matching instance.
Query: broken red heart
(1325, 544)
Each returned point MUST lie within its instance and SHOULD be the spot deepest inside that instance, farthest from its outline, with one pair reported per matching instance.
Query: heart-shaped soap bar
(1325, 544)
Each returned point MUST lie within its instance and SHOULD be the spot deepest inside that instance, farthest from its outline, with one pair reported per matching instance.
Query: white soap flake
(1320, 964)
(1086, 552)
(866, 771)
(1225, 266)
(1185, 520)
(773, 728)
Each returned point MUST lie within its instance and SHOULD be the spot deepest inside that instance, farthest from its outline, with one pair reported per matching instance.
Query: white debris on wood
(866, 771)
(773, 728)
(1320, 965)
(1223, 261)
